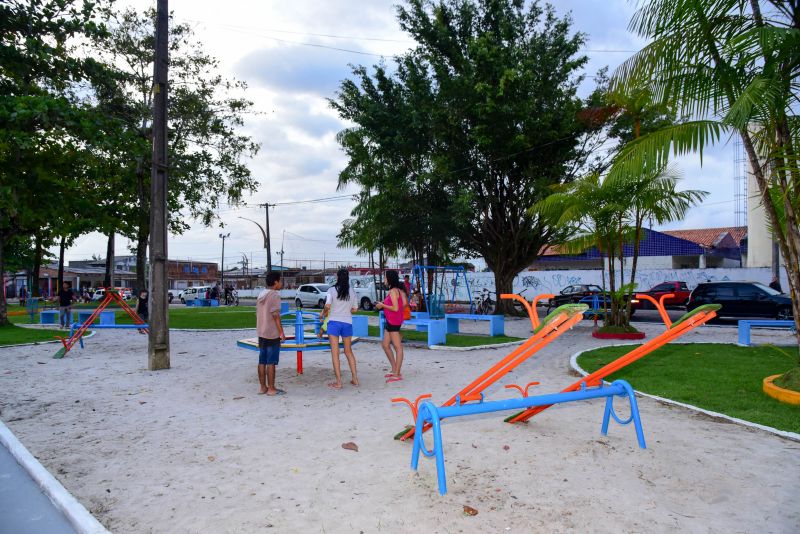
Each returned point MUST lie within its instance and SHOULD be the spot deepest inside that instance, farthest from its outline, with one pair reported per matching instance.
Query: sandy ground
(195, 449)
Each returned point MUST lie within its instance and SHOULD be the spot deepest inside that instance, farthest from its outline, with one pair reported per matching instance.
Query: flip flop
(334, 386)
(277, 392)
(388, 375)
(394, 379)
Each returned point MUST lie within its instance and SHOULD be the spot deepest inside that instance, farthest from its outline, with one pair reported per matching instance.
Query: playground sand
(195, 449)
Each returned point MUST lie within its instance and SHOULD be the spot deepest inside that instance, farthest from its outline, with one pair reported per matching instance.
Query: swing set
(439, 286)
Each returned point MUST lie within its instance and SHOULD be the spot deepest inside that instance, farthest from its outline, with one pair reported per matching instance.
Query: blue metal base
(430, 414)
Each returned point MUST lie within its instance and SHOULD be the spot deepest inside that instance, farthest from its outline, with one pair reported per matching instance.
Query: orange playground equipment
(111, 295)
(697, 317)
(556, 323)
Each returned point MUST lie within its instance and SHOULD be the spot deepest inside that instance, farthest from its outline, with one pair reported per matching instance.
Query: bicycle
(483, 304)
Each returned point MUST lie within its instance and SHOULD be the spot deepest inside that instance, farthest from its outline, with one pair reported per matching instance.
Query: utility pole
(158, 341)
(283, 237)
(269, 248)
(222, 263)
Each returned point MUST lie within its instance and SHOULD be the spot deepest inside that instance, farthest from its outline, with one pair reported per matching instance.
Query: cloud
(296, 69)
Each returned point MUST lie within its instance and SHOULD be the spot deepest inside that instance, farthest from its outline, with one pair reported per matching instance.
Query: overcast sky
(279, 49)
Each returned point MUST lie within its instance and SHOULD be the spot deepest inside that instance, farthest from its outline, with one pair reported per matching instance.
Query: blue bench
(496, 322)
(77, 326)
(48, 317)
(436, 328)
(746, 325)
(106, 317)
(360, 325)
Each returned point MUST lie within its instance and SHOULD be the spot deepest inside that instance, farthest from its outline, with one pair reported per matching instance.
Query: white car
(99, 294)
(311, 295)
(191, 293)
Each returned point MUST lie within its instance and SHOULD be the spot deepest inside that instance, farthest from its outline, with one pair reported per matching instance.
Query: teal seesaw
(429, 414)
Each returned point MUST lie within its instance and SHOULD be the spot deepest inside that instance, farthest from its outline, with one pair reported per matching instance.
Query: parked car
(100, 293)
(742, 299)
(601, 306)
(367, 296)
(311, 295)
(679, 289)
(192, 293)
(573, 294)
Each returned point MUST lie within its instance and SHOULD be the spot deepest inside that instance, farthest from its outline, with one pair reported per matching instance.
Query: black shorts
(392, 327)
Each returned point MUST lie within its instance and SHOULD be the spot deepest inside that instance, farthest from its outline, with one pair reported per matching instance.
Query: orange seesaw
(551, 327)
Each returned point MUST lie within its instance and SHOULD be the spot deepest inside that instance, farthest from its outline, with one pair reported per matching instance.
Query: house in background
(672, 249)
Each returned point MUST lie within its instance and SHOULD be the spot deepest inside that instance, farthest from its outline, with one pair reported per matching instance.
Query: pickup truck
(680, 289)
(367, 295)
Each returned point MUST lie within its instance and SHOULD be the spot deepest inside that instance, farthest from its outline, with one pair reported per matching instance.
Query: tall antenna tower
(740, 168)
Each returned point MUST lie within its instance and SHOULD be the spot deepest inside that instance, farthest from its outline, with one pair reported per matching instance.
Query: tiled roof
(710, 237)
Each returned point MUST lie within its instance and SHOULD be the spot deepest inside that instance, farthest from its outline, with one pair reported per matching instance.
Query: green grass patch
(14, 335)
(717, 377)
(205, 318)
(453, 340)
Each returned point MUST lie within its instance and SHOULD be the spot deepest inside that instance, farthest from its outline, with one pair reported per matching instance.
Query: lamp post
(222, 264)
(266, 242)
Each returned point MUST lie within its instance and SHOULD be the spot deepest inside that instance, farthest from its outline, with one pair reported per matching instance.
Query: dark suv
(572, 294)
(742, 299)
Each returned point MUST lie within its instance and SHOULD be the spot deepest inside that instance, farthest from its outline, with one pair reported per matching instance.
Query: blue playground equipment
(298, 342)
(430, 414)
(439, 286)
(76, 326)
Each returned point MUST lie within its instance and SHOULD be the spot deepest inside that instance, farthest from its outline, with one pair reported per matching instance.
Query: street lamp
(265, 234)
(222, 264)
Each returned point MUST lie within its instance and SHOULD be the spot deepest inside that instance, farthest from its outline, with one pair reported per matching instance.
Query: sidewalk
(23, 506)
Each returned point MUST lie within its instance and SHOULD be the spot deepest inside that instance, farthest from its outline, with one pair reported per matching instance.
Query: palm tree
(729, 66)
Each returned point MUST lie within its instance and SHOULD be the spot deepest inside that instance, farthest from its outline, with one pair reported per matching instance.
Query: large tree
(46, 129)
(208, 152)
(727, 65)
(502, 121)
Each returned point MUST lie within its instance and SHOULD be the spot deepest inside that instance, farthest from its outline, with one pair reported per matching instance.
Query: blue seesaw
(76, 326)
(429, 413)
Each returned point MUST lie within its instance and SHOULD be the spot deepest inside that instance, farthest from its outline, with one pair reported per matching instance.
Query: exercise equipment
(439, 287)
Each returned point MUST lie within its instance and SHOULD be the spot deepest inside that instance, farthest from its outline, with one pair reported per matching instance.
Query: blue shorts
(269, 352)
(340, 329)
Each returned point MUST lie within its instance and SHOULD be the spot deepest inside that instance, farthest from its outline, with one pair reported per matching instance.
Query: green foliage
(479, 120)
(726, 66)
(721, 378)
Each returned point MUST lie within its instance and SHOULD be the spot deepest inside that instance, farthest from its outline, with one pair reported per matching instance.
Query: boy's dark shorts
(269, 351)
(392, 327)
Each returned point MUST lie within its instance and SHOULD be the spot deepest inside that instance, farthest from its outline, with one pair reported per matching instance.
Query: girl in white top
(340, 304)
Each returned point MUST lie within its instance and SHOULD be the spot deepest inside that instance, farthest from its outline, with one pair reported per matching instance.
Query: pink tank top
(394, 318)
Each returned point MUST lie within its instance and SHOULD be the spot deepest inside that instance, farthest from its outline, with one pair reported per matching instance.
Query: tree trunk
(3, 306)
(37, 267)
(143, 227)
(61, 261)
(108, 279)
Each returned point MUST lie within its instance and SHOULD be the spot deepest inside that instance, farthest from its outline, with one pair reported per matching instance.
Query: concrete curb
(87, 336)
(78, 516)
(479, 347)
(573, 362)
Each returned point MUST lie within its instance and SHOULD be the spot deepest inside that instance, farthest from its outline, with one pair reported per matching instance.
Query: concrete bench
(746, 325)
(360, 325)
(106, 317)
(48, 317)
(436, 328)
(496, 322)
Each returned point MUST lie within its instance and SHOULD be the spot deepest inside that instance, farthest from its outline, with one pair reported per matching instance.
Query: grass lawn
(206, 317)
(722, 378)
(13, 335)
(453, 340)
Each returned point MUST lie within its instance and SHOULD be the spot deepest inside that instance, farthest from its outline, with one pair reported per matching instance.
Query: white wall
(537, 282)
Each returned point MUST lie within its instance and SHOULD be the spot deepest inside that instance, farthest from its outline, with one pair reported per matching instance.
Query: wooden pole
(158, 345)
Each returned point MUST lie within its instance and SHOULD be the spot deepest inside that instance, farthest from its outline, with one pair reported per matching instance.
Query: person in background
(65, 298)
(407, 283)
(270, 334)
(393, 307)
(340, 304)
(23, 295)
(776, 284)
(142, 307)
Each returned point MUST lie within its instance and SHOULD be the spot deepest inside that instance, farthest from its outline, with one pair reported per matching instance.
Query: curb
(78, 516)
(87, 336)
(573, 362)
(479, 347)
(778, 393)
